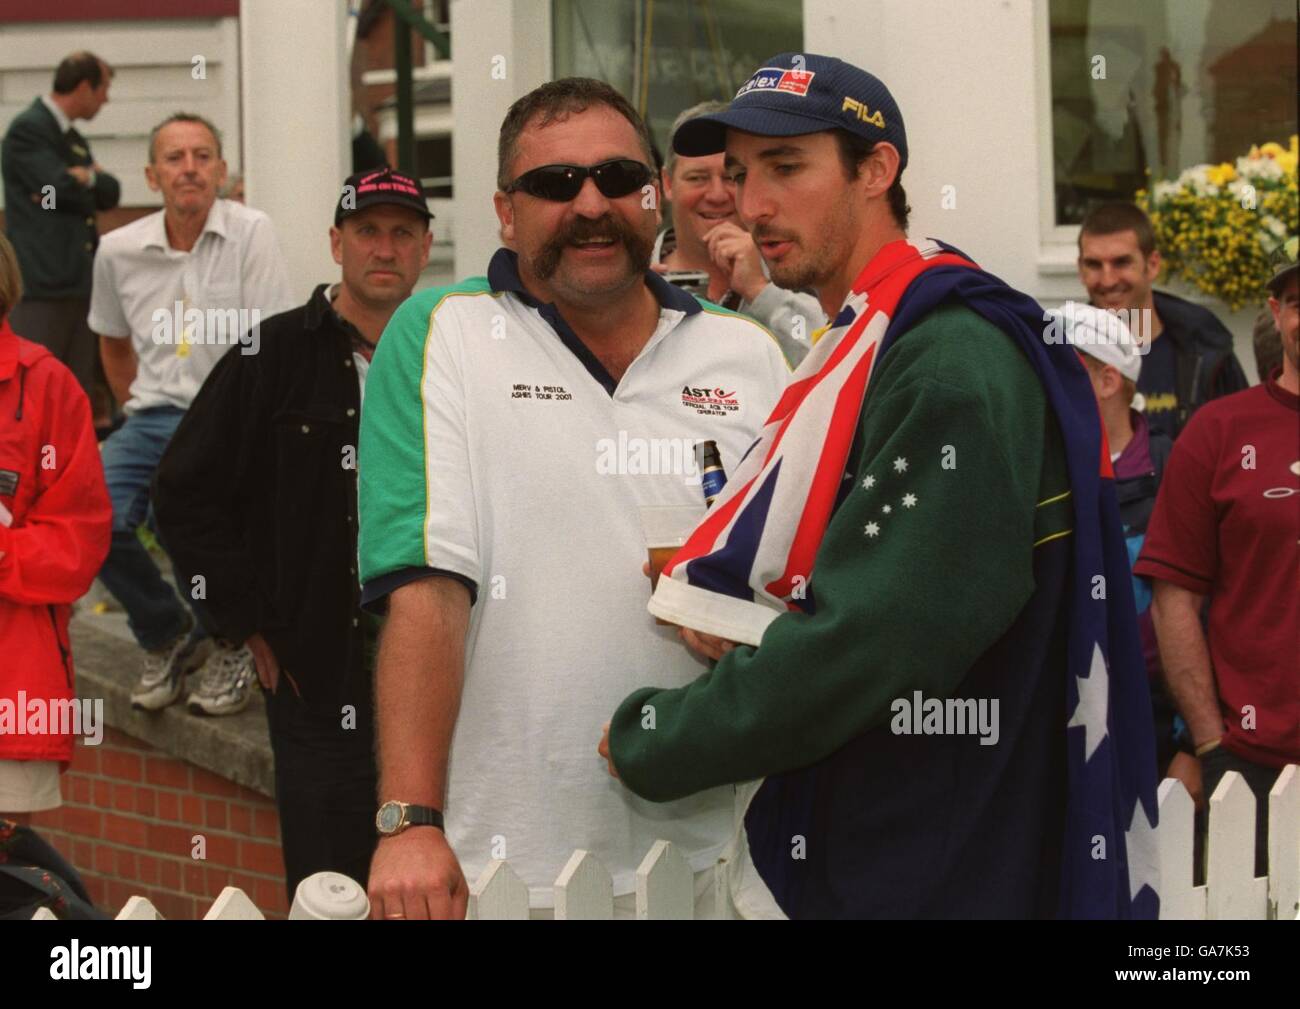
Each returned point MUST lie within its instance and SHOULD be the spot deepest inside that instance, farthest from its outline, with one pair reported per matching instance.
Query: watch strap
(424, 816)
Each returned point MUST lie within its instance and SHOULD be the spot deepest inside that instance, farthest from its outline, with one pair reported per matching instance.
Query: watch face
(389, 817)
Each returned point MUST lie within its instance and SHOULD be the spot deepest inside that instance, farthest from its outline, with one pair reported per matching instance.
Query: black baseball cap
(795, 93)
(1284, 263)
(376, 187)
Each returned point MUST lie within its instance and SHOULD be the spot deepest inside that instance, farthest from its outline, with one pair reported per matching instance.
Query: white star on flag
(1142, 851)
(868, 483)
(886, 509)
(1094, 694)
(872, 529)
(900, 465)
(909, 500)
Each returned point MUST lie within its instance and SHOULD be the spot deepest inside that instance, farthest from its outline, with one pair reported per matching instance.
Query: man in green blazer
(53, 186)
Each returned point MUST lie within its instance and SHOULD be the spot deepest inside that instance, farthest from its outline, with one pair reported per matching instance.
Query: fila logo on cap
(794, 82)
(862, 112)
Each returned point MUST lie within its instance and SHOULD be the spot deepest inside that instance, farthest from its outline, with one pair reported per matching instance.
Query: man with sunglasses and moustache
(513, 426)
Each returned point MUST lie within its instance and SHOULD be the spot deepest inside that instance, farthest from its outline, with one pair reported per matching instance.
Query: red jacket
(55, 524)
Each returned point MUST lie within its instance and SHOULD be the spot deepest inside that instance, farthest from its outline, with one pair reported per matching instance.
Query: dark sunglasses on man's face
(562, 183)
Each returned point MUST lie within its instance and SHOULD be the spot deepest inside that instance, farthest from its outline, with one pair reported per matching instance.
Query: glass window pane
(1161, 85)
(667, 55)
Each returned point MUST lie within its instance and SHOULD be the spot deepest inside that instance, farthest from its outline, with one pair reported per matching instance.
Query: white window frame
(1058, 243)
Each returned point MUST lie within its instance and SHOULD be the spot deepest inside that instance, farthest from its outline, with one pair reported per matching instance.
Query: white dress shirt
(183, 310)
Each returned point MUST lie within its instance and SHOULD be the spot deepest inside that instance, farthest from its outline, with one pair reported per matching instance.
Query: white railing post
(499, 895)
(584, 890)
(1284, 845)
(232, 904)
(138, 909)
(1179, 898)
(1231, 890)
(665, 886)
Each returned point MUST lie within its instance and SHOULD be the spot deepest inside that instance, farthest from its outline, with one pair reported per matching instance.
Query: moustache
(766, 235)
(584, 229)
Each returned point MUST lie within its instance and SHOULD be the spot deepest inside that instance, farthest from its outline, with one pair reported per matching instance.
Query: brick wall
(128, 820)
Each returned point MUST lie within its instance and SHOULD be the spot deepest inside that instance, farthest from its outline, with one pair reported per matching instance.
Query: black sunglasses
(562, 183)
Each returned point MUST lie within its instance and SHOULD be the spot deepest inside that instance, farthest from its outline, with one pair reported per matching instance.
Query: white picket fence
(665, 886)
(1231, 890)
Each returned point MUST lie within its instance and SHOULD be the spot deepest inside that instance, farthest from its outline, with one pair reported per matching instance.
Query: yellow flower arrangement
(1217, 225)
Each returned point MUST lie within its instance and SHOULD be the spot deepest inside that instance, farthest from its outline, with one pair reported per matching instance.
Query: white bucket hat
(1101, 335)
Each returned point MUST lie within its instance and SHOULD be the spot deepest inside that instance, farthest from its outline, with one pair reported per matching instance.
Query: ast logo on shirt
(710, 401)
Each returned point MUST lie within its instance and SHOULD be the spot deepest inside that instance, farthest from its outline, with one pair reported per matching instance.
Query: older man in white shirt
(172, 292)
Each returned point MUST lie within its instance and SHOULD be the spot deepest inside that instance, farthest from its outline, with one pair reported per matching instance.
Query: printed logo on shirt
(1285, 492)
(8, 482)
(793, 82)
(1161, 402)
(712, 402)
(551, 393)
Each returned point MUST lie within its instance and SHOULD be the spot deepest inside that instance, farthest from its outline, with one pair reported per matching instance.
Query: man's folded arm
(918, 574)
(36, 165)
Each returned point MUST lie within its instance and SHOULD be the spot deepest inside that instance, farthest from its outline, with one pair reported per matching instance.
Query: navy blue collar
(503, 275)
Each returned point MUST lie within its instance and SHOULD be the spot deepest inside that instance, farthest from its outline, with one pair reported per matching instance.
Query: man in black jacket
(258, 493)
(1190, 359)
(53, 186)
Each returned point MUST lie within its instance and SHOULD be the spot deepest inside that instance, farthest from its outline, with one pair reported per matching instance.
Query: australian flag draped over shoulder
(737, 571)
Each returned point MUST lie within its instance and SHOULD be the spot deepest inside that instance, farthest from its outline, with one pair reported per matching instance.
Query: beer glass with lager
(667, 527)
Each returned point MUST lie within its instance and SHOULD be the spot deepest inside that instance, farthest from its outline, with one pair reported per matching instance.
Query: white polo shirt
(183, 310)
(497, 450)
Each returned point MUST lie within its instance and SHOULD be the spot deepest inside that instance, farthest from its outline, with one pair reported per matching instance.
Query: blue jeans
(131, 455)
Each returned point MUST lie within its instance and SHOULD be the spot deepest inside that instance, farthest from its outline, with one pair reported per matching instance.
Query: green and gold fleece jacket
(910, 723)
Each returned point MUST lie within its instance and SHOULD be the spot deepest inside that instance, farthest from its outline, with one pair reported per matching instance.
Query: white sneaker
(226, 682)
(165, 669)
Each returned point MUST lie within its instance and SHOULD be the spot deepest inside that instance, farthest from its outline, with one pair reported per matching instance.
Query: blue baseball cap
(795, 93)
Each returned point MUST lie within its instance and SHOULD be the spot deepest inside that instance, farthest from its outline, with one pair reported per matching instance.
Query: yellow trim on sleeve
(1053, 500)
(1053, 536)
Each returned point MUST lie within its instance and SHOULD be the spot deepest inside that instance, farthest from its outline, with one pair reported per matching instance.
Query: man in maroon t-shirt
(1227, 525)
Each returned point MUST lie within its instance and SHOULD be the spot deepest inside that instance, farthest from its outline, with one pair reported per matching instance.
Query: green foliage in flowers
(1217, 226)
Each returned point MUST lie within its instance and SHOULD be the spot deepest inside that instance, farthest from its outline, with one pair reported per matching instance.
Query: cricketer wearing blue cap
(942, 709)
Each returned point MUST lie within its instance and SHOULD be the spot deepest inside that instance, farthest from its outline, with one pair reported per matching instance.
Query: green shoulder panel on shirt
(924, 565)
(390, 458)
